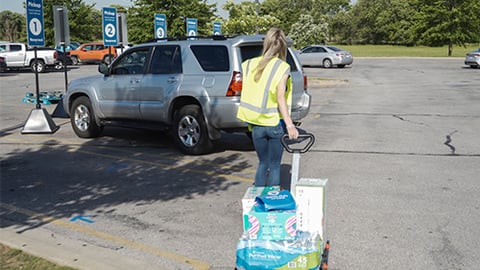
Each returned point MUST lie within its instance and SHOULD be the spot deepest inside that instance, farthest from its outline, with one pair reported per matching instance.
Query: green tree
(447, 22)
(342, 28)
(394, 21)
(12, 26)
(364, 15)
(140, 17)
(333, 13)
(288, 12)
(306, 32)
(243, 19)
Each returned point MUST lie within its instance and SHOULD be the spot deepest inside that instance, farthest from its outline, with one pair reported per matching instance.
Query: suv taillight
(55, 55)
(305, 80)
(235, 87)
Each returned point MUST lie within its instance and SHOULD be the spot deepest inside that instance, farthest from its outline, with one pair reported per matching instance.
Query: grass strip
(13, 259)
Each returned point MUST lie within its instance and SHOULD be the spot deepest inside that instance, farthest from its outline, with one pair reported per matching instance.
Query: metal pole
(38, 106)
(65, 65)
(256, 12)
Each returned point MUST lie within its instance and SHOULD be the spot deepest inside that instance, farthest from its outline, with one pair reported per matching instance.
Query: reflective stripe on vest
(263, 109)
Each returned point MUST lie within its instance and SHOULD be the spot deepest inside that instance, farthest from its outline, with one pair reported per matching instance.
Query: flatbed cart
(304, 142)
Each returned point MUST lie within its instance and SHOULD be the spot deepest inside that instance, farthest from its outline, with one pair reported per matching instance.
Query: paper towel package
(311, 201)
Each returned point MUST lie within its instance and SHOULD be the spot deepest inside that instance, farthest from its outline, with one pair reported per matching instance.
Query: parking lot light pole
(256, 13)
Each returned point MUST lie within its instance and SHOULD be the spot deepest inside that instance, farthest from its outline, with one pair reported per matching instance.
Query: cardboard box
(311, 205)
(271, 225)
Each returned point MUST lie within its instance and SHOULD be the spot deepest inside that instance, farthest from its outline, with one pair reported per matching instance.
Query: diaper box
(311, 205)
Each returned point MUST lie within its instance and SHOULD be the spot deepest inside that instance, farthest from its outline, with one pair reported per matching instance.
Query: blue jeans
(269, 151)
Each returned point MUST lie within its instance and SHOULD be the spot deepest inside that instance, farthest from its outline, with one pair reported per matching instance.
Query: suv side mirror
(103, 68)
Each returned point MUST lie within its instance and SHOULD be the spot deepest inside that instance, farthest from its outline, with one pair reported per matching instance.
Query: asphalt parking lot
(397, 139)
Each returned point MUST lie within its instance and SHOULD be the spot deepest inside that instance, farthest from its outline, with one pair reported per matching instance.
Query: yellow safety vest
(258, 101)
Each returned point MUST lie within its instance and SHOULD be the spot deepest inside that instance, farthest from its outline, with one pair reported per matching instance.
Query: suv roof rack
(175, 38)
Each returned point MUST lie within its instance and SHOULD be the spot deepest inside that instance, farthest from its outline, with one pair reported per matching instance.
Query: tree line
(396, 22)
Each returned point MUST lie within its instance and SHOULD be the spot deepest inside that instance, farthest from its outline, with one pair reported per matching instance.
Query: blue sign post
(191, 27)
(217, 28)
(39, 120)
(160, 21)
(36, 32)
(109, 21)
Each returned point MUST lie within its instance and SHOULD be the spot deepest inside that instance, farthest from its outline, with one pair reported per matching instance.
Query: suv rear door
(161, 82)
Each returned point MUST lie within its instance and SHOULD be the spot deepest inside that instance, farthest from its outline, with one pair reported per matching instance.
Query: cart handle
(286, 142)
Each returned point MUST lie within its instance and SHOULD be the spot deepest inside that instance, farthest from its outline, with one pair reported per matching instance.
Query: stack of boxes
(284, 239)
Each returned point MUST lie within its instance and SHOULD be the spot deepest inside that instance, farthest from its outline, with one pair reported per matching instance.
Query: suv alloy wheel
(82, 119)
(190, 131)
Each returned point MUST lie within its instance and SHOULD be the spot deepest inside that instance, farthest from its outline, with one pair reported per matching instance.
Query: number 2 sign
(109, 18)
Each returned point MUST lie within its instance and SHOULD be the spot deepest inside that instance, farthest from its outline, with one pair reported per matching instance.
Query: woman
(264, 105)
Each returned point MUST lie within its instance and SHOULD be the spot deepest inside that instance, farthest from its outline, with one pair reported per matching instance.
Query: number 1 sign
(35, 30)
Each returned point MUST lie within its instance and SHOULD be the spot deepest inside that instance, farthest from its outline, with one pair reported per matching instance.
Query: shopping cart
(296, 147)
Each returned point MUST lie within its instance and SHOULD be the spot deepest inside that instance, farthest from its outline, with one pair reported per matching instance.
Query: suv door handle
(172, 80)
(134, 80)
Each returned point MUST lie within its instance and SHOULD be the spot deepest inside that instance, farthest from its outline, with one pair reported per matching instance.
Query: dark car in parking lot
(3, 64)
(472, 59)
(63, 58)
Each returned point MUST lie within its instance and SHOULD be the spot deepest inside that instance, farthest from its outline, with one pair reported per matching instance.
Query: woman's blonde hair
(274, 45)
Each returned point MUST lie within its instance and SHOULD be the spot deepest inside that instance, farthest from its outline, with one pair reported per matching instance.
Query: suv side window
(212, 58)
(131, 63)
(252, 51)
(166, 59)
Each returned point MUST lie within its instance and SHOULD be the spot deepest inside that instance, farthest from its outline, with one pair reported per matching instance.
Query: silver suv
(191, 87)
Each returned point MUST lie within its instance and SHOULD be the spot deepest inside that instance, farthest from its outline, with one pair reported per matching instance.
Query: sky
(17, 5)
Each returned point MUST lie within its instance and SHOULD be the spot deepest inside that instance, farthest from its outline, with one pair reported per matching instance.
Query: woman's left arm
(283, 107)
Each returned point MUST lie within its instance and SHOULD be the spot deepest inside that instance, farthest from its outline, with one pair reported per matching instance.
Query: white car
(472, 59)
(122, 48)
(324, 55)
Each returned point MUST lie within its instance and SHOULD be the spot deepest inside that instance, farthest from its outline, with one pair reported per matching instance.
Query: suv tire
(190, 131)
(82, 120)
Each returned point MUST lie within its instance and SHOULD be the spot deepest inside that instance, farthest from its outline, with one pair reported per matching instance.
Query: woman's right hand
(292, 132)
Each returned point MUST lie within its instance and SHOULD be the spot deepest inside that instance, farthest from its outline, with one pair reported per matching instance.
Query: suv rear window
(212, 58)
(252, 51)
